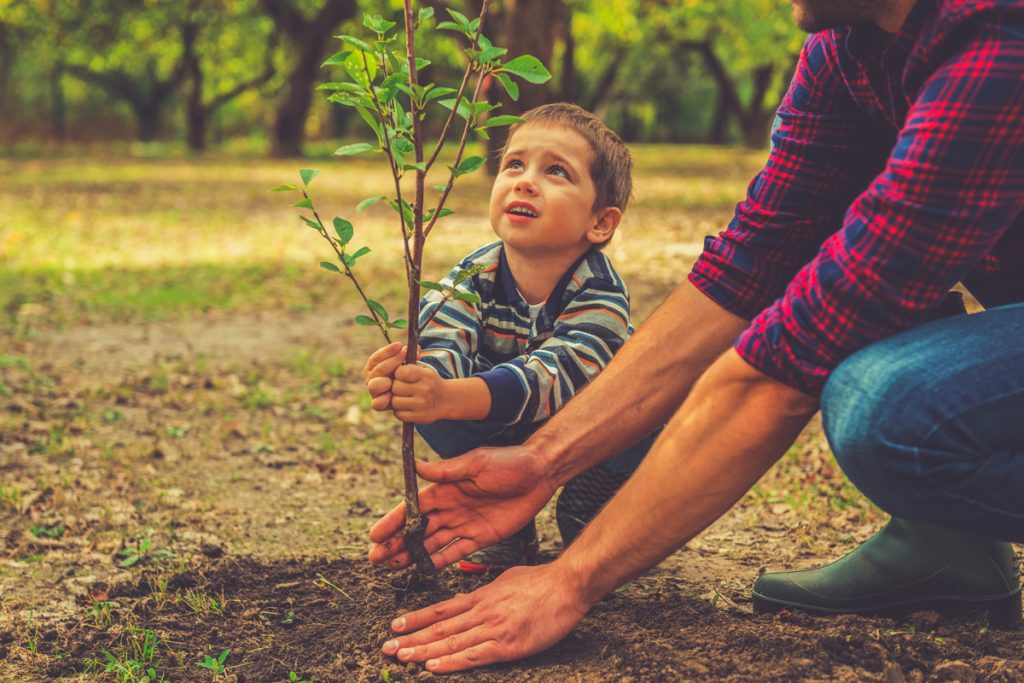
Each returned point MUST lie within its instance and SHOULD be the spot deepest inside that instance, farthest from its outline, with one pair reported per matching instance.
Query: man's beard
(819, 15)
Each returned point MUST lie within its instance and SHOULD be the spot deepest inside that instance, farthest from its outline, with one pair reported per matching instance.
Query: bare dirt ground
(175, 490)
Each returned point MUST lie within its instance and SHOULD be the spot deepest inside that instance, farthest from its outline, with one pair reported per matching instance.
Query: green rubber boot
(905, 567)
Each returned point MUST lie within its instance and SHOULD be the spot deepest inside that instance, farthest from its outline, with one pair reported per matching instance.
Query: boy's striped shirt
(531, 369)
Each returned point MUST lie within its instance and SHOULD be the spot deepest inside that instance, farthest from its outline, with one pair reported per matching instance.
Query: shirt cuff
(507, 394)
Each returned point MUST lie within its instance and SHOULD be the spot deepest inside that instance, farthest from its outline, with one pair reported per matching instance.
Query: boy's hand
(418, 395)
(378, 374)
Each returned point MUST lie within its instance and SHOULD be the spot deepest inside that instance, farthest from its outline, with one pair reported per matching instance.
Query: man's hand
(418, 395)
(492, 624)
(477, 499)
(378, 374)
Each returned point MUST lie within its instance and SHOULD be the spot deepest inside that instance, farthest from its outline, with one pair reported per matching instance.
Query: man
(897, 170)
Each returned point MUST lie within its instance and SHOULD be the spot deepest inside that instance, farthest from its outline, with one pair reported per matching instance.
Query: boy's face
(543, 196)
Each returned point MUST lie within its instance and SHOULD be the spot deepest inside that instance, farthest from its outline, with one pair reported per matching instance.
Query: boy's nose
(525, 185)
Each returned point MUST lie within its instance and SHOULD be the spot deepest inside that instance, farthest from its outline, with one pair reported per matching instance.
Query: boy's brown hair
(611, 169)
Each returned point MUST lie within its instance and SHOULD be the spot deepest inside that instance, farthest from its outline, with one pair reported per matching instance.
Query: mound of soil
(326, 620)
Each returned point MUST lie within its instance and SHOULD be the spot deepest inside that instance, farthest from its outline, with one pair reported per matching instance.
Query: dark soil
(221, 464)
(326, 621)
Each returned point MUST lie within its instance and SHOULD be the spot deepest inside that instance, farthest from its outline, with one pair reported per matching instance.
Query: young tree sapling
(383, 85)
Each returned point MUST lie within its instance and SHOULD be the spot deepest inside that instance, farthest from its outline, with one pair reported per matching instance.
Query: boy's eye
(513, 163)
(558, 170)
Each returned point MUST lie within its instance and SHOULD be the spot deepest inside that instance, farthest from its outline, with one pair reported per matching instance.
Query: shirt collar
(511, 294)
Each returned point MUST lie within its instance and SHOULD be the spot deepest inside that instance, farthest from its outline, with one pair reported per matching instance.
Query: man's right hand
(476, 500)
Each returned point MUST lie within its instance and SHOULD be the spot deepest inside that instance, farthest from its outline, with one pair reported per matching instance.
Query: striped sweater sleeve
(591, 328)
(451, 339)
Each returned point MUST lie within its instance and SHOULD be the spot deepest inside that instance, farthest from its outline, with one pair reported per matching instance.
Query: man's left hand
(494, 623)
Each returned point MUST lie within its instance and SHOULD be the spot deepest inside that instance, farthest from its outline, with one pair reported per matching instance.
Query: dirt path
(232, 464)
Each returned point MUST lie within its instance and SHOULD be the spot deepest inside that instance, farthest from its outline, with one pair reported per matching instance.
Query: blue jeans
(450, 438)
(929, 424)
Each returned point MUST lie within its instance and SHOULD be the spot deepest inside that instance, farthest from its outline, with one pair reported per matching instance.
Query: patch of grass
(102, 614)
(135, 661)
(142, 551)
(10, 498)
(214, 664)
(202, 603)
(53, 531)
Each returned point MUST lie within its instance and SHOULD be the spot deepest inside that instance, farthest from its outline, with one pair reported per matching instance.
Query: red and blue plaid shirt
(897, 170)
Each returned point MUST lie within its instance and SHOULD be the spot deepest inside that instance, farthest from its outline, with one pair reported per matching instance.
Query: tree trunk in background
(58, 109)
(527, 27)
(309, 38)
(719, 119)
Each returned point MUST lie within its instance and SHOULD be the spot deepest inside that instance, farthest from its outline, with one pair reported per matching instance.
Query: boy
(552, 314)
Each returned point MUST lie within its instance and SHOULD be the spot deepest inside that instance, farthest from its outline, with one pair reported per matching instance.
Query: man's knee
(864, 416)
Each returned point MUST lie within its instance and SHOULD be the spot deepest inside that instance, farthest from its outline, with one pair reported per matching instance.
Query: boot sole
(1004, 612)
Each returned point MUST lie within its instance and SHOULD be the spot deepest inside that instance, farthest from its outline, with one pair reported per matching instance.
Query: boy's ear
(605, 222)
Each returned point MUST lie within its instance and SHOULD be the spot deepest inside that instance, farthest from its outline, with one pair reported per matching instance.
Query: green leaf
(283, 188)
(360, 252)
(365, 320)
(510, 86)
(461, 18)
(348, 260)
(449, 26)
(377, 23)
(307, 175)
(431, 285)
(337, 58)
(421, 166)
(368, 202)
(467, 296)
(467, 165)
(440, 188)
(306, 203)
(378, 309)
(449, 103)
(436, 93)
(131, 560)
(327, 265)
(345, 86)
(357, 43)
(311, 223)
(344, 229)
(422, 63)
(426, 13)
(400, 324)
(504, 120)
(357, 148)
(528, 68)
(466, 273)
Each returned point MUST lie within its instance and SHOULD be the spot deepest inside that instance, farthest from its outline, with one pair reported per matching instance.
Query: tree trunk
(290, 124)
(195, 111)
(719, 119)
(58, 109)
(309, 39)
(529, 27)
(757, 120)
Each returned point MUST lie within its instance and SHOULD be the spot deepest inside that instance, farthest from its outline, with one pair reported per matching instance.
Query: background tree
(134, 52)
(309, 36)
(222, 50)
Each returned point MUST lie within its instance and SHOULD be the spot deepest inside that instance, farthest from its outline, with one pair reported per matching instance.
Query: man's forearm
(734, 425)
(643, 385)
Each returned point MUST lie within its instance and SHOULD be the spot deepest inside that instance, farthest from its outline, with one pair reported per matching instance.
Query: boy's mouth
(521, 209)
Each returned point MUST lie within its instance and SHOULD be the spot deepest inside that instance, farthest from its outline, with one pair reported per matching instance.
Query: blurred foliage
(638, 63)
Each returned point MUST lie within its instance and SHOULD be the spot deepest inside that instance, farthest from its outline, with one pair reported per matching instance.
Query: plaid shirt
(897, 170)
(531, 367)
